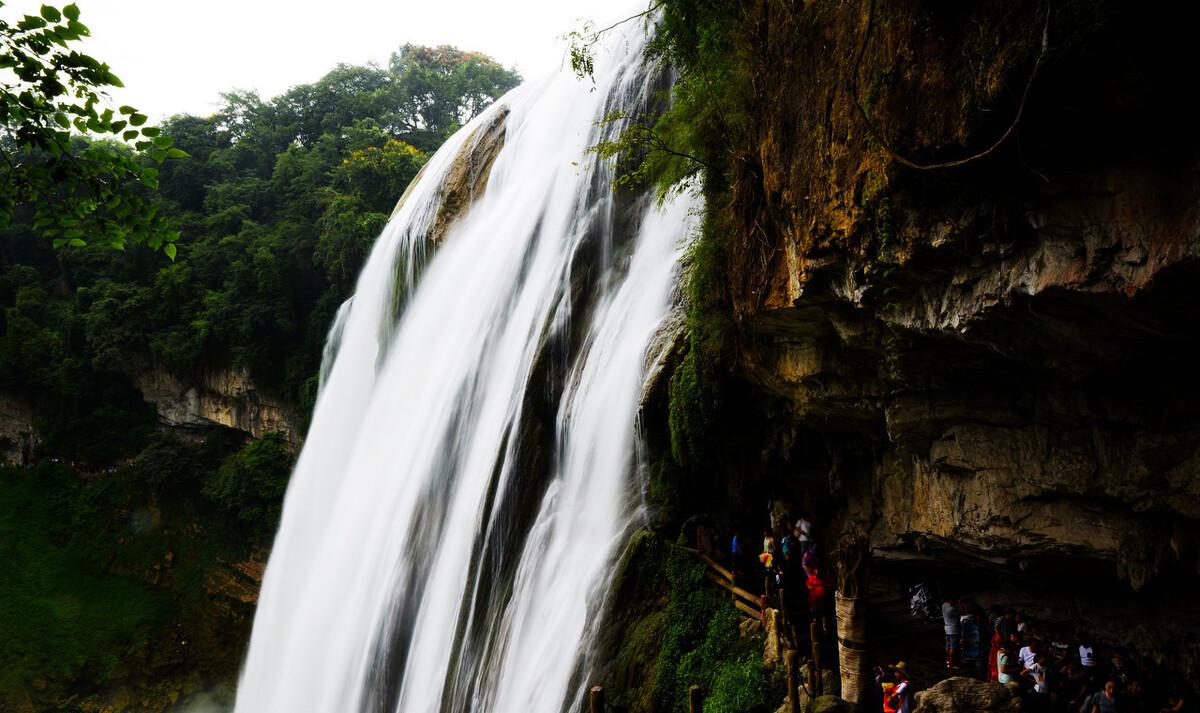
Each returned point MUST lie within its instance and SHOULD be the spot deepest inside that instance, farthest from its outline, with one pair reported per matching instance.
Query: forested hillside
(149, 530)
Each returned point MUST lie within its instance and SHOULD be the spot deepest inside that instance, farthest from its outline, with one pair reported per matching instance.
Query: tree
(78, 190)
(442, 88)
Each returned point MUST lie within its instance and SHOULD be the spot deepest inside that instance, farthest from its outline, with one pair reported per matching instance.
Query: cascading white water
(453, 519)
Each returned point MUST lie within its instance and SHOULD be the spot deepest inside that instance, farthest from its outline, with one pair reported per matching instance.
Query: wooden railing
(748, 603)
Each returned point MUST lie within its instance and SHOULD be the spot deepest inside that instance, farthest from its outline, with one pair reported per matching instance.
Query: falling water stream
(452, 524)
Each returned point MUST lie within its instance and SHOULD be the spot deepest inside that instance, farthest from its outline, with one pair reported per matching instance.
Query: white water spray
(453, 520)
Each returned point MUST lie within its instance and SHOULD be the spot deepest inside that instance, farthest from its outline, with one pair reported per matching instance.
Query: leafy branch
(581, 43)
(81, 190)
(644, 157)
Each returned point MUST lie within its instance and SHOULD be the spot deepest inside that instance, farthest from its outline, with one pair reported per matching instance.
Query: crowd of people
(789, 560)
(1053, 671)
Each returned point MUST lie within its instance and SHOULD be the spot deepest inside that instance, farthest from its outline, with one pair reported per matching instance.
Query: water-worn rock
(966, 695)
(467, 177)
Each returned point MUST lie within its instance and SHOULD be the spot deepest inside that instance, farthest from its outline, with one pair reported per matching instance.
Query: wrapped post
(850, 602)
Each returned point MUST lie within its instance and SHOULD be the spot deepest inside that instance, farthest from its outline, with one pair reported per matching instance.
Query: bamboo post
(853, 558)
(783, 617)
(695, 699)
(596, 700)
(793, 681)
(813, 630)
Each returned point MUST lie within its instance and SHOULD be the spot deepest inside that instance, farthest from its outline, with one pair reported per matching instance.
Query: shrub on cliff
(250, 484)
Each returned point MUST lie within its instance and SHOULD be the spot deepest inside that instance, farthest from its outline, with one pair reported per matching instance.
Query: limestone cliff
(965, 282)
(18, 437)
(226, 397)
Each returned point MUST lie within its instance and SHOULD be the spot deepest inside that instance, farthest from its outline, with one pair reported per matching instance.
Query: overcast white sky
(179, 55)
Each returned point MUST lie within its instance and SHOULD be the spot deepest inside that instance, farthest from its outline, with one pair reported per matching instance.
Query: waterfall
(454, 518)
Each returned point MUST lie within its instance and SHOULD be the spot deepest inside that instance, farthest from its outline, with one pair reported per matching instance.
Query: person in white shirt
(953, 629)
(1036, 673)
(1087, 656)
(1028, 654)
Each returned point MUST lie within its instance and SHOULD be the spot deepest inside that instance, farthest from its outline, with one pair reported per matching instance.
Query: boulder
(830, 704)
(966, 695)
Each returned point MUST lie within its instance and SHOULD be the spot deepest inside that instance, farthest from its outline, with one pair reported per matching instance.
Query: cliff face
(17, 434)
(992, 360)
(226, 398)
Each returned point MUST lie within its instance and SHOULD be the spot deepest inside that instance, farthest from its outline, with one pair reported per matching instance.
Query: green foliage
(62, 617)
(166, 462)
(696, 388)
(701, 646)
(442, 88)
(105, 577)
(707, 109)
(251, 483)
(80, 191)
(278, 203)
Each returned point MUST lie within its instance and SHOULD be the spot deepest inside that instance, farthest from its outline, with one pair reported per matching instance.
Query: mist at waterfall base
(468, 481)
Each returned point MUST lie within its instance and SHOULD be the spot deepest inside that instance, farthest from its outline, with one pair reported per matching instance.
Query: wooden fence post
(793, 681)
(695, 699)
(813, 633)
(596, 700)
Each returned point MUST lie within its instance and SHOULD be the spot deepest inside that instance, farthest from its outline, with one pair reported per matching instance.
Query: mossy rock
(829, 704)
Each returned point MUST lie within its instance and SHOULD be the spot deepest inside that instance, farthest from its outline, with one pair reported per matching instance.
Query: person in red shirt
(818, 596)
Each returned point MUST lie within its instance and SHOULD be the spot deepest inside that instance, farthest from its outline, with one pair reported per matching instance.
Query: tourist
(1087, 657)
(1133, 700)
(1007, 624)
(899, 698)
(993, 654)
(736, 553)
(1028, 653)
(768, 541)
(972, 654)
(1060, 650)
(1117, 669)
(1073, 686)
(803, 532)
(952, 628)
(818, 597)
(1007, 670)
(1035, 671)
(1104, 701)
(1176, 703)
